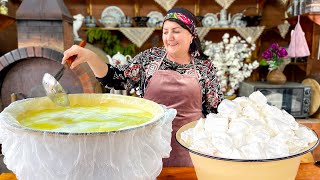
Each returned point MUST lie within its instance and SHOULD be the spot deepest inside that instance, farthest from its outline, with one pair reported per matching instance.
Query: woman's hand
(82, 55)
(97, 65)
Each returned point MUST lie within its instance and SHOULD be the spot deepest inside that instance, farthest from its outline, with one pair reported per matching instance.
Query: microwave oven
(295, 98)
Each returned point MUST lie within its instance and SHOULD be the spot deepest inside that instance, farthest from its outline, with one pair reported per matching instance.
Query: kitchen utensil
(78, 151)
(53, 88)
(59, 74)
(55, 91)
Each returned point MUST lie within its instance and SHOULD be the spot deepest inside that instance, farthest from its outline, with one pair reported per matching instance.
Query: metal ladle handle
(69, 61)
(72, 58)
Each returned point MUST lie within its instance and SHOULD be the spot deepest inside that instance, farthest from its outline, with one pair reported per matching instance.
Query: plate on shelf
(236, 20)
(210, 20)
(155, 19)
(113, 11)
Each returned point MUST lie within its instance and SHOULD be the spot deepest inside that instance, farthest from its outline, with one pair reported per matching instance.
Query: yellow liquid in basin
(84, 119)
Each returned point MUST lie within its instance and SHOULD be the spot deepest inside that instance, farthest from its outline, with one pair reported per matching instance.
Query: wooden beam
(136, 8)
(315, 17)
(89, 7)
(6, 21)
(260, 6)
(197, 7)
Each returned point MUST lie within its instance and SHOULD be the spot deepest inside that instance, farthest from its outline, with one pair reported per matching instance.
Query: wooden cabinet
(138, 8)
(310, 25)
(8, 30)
(272, 12)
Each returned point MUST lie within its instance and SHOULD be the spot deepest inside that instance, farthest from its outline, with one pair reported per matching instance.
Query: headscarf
(185, 17)
(188, 21)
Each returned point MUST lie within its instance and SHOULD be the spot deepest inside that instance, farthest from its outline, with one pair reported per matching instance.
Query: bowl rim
(153, 121)
(178, 134)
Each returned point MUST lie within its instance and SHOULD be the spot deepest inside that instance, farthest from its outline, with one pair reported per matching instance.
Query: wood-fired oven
(44, 31)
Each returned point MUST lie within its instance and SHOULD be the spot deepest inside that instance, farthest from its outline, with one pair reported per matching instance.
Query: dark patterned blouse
(134, 75)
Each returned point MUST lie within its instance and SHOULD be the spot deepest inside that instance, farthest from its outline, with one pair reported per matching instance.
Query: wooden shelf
(315, 17)
(300, 65)
(159, 29)
(6, 21)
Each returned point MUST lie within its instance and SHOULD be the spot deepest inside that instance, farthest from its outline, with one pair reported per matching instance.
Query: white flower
(228, 57)
(226, 35)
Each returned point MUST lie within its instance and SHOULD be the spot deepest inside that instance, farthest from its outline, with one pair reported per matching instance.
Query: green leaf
(263, 62)
(110, 43)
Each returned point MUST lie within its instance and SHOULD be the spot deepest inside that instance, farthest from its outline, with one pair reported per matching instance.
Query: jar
(3, 7)
(302, 6)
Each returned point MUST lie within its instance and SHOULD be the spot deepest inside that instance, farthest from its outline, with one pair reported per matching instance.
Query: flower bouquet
(229, 57)
(275, 58)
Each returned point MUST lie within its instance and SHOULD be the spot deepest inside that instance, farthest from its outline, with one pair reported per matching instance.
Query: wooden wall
(8, 36)
(273, 15)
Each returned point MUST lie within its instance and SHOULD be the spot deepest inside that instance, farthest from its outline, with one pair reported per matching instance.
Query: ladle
(53, 88)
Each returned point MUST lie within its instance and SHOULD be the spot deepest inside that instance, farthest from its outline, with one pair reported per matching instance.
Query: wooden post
(13, 97)
(197, 7)
(89, 7)
(136, 8)
(260, 6)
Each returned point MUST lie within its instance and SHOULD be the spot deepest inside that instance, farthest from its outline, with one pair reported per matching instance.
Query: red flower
(133, 72)
(184, 18)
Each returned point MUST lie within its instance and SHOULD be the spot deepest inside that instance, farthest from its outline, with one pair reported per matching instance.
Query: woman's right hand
(97, 65)
(82, 55)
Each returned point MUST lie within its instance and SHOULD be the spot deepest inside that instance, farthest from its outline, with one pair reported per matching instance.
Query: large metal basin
(128, 153)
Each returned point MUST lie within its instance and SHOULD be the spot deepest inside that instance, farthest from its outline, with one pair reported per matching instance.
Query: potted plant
(111, 44)
(275, 58)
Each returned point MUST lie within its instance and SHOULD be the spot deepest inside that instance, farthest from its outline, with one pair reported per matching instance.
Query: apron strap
(194, 69)
(155, 65)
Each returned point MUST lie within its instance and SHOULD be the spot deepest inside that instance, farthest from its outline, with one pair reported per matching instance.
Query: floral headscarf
(188, 21)
(190, 24)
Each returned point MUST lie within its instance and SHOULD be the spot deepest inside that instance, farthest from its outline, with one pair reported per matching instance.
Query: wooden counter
(314, 124)
(307, 171)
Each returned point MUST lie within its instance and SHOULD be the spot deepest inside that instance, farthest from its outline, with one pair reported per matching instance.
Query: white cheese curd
(248, 128)
(216, 123)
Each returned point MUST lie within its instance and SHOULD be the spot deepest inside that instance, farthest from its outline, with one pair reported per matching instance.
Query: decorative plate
(210, 20)
(155, 19)
(236, 20)
(113, 11)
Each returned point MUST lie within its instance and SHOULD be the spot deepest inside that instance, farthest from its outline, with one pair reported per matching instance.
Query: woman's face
(175, 38)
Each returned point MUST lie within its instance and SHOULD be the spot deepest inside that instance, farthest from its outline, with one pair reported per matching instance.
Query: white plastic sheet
(129, 154)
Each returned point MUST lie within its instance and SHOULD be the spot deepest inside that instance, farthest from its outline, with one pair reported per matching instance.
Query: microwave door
(296, 102)
(281, 98)
(275, 99)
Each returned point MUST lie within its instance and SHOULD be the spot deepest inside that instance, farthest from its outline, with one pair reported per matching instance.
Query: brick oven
(44, 32)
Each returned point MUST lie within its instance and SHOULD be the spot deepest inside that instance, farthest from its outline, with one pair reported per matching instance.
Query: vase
(276, 76)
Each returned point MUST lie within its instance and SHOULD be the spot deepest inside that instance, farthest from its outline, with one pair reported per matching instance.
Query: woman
(178, 75)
